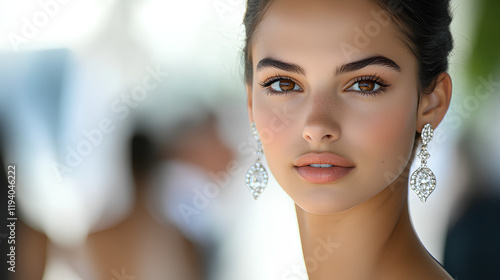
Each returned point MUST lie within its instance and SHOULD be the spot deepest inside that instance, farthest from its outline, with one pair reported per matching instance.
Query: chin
(325, 201)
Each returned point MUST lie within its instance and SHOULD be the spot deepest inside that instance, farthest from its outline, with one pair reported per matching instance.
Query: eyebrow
(372, 60)
(269, 62)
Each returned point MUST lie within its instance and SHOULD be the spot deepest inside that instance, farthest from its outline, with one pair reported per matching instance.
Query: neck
(363, 242)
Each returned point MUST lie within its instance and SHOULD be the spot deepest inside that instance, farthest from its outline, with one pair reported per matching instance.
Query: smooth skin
(308, 94)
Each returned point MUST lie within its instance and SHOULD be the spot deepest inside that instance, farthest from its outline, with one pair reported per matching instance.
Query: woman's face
(332, 78)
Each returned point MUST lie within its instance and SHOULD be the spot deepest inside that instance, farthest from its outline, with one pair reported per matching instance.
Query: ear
(433, 106)
(249, 101)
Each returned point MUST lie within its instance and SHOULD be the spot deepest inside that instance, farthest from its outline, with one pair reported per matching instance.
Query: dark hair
(425, 25)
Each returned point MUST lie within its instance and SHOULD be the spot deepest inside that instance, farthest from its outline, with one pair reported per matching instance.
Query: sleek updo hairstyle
(425, 25)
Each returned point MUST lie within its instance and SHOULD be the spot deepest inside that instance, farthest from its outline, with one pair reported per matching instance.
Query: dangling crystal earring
(423, 181)
(256, 177)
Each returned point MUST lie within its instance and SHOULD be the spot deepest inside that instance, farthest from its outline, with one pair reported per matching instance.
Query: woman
(339, 93)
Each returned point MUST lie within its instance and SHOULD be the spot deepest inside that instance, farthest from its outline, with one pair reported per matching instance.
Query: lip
(340, 167)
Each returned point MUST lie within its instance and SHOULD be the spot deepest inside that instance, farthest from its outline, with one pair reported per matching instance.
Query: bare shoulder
(432, 271)
(424, 267)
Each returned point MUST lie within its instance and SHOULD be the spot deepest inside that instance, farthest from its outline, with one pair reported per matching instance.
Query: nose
(321, 126)
(316, 133)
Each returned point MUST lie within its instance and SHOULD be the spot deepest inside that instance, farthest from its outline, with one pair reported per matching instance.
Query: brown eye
(284, 85)
(366, 85)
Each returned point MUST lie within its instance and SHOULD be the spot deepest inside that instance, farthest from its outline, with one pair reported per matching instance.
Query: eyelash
(372, 78)
(266, 84)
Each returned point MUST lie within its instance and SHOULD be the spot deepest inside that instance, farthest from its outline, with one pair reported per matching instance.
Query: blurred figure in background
(191, 183)
(68, 115)
(473, 242)
(472, 249)
(144, 245)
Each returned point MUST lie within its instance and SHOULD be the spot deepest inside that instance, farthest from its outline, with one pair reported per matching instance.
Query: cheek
(277, 121)
(385, 133)
(273, 122)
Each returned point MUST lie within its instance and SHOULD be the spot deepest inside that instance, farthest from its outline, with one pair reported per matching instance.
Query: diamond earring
(423, 181)
(256, 177)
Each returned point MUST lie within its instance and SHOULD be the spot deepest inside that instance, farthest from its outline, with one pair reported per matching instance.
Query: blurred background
(127, 123)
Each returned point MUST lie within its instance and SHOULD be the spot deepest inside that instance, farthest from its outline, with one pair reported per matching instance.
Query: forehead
(328, 30)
